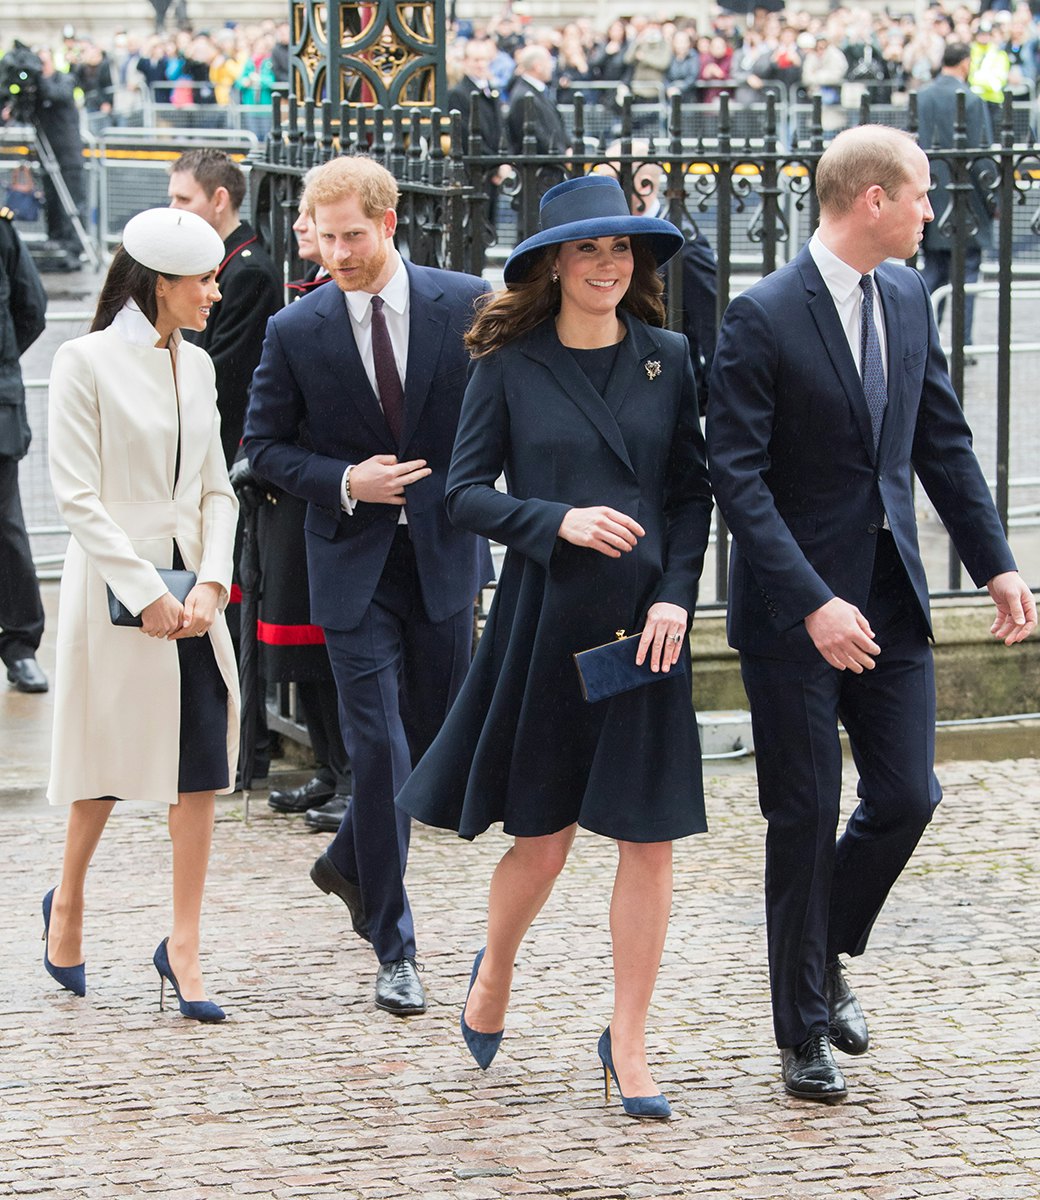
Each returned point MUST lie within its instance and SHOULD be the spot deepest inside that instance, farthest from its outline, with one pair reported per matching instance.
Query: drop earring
(555, 277)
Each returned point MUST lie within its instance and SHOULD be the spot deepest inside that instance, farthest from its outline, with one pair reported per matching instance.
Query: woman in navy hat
(590, 409)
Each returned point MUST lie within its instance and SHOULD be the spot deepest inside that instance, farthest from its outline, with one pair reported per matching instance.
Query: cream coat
(113, 445)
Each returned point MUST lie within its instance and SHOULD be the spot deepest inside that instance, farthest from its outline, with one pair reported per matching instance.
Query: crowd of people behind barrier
(839, 56)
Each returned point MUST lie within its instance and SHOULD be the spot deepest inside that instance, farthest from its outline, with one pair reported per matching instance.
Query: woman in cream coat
(139, 477)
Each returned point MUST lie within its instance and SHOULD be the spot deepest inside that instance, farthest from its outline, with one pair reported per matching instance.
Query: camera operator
(45, 98)
(57, 117)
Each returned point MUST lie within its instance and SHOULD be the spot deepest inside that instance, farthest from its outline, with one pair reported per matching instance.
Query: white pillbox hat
(173, 242)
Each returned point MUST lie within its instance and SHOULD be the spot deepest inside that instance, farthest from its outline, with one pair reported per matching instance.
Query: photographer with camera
(33, 92)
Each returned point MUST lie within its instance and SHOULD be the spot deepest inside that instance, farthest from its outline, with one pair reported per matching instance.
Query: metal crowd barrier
(133, 169)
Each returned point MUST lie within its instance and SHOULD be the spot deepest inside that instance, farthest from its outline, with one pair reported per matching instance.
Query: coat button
(872, 528)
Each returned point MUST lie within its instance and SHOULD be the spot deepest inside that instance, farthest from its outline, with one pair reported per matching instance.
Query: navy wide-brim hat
(591, 206)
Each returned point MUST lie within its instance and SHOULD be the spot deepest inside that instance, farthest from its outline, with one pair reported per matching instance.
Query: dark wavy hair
(506, 315)
(126, 280)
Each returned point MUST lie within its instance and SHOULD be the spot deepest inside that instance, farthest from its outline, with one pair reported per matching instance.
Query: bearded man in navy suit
(829, 391)
(354, 408)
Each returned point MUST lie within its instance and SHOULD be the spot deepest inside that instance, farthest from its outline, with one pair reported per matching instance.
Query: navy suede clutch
(179, 583)
(608, 670)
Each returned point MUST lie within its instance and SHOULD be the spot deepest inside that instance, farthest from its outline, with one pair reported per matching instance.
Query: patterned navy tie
(391, 394)
(871, 366)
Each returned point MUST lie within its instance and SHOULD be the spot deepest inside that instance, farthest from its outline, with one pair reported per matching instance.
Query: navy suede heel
(194, 1010)
(651, 1108)
(483, 1046)
(72, 979)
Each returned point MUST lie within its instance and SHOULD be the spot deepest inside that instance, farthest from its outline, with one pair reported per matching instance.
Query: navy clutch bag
(179, 583)
(608, 670)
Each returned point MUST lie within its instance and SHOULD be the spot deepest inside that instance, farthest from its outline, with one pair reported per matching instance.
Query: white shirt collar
(842, 280)
(395, 295)
(537, 84)
(134, 327)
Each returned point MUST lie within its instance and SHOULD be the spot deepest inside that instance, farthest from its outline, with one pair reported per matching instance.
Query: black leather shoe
(810, 1072)
(326, 817)
(297, 800)
(325, 876)
(26, 675)
(848, 1026)
(398, 988)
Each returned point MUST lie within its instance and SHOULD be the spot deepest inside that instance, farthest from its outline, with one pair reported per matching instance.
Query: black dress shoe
(325, 876)
(810, 1072)
(848, 1026)
(326, 817)
(297, 800)
(398, 988)
(26, 675)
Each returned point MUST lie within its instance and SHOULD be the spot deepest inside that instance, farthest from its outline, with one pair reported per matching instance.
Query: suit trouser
(822, 896)
(21, 609)
(397, 674)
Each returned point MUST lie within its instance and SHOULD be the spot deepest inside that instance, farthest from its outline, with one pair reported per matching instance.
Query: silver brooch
(653, 369)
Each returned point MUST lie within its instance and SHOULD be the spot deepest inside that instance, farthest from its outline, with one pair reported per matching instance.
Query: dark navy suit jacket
(312, 411)
(793, 463)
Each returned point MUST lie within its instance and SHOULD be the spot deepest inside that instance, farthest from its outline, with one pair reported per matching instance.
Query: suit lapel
(638, 346)
(545, 347)
(894, 337)
(821, 306)
(427, 324)
(336, 339)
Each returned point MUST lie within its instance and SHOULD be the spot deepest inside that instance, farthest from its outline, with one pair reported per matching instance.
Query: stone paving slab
(308, 1091)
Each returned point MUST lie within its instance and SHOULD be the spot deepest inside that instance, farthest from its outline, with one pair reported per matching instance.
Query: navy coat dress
(520, 745)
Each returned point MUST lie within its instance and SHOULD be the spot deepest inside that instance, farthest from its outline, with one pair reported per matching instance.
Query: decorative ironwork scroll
(380, 53)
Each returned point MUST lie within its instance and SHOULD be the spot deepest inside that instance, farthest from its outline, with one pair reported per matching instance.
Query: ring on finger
(675, 637)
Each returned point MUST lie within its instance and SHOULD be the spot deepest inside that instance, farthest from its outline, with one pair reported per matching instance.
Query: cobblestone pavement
(308, 1091)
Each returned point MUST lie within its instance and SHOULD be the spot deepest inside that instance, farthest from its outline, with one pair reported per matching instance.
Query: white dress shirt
(843, 284)
(396, 304)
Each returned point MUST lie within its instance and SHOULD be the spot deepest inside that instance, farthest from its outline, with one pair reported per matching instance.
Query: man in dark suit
(473, 96)
(534, 72)
(936, 114)
(479, 104)
(829, 391)
(208, 183)
(354, 408)
(23, 307)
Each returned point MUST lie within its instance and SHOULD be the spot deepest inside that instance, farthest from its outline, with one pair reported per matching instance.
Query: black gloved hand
(250, 489)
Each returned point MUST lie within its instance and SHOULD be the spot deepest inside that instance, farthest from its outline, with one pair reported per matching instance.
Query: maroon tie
(391, 394)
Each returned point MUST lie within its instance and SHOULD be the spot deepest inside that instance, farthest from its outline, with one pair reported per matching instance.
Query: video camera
(20, 75)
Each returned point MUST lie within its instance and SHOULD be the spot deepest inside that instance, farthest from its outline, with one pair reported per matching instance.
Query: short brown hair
(857, 159)
(352, 175)
(212, 169)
